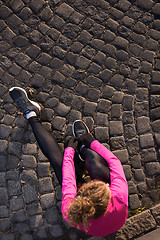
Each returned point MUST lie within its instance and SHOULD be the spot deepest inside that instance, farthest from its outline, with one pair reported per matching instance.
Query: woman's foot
(27, 107)
(79, 128)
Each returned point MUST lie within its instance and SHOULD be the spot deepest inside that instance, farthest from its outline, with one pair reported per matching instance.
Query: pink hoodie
(117, 210)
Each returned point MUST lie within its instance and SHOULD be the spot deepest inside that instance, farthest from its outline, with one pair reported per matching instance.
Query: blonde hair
(90, 202)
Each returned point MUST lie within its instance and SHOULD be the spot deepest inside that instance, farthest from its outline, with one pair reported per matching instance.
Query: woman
(100, 206)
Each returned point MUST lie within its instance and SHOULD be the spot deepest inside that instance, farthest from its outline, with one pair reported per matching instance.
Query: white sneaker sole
(32, 102)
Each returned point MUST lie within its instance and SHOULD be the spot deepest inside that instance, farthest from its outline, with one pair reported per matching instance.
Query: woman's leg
(96, 166)
(48, 146)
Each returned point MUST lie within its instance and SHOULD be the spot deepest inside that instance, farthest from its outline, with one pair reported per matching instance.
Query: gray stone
(14, 188)
(43, 169)
(5, 224)
(129, 131)
(30, 193)
(117, 143)
(134, 202)
(28, 161)
(128, 102)
(116, 111)
(135, 161)
(132, 187)
(19, 216)
(36, 221)
(5, 131)
(89, 108)
(74, 115)
(64, 10)
(12, 162)
(104, 106)
(101, 119)
(29, 149)
(56, 230)
(29, 177)
(156, 213)
(4, 212)
(33, 208)
(149, 155)
(62, 109)
(153, 168)
(146, 141)
(133, 146)
(45, 185)
(115, 128)
(122, 155)
(58, 123)
(102, 134)
(143, 125)
(139, 175)
(127, 172)
(47, 200)
(36, 6)
(144, 222)
(16, 203)
(156, 126)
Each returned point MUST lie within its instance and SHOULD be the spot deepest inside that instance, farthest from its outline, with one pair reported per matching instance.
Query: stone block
(134, 202)
(56, 230)
(115, 128)
(156, 126)
(143, 125)
(143, 223)
(43, 169)
(47, 200)
(135, 161)
(153, 168)
(29, 149)
(133, 146)
(16, 203)
(117, 143)
(30, 193)
(156, 213)
(89, 108)
(139, 175)
(122, 155)
(45, 185)
(149, 155)
(146, 141)
(58, 123)
(101, 134)
(64, 10)
(104, 106)
(129, 131)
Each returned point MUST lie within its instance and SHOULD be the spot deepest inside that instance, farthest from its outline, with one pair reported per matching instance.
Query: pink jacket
(117, 210)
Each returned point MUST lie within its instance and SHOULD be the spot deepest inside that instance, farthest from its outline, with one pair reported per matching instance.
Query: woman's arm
(117, 176)
(69, 187)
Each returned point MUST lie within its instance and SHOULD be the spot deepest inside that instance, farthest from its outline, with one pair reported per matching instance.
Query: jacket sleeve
(117, 176)
(69, 187)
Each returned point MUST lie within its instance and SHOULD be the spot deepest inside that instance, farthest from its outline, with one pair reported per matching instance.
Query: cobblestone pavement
(93, 60)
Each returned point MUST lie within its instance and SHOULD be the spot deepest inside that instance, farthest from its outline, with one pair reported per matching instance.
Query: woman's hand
(73, 143)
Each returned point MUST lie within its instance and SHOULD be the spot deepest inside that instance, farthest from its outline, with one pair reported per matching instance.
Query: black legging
(95, 164)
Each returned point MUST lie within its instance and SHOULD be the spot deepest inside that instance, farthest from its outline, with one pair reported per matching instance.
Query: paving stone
(127, 172)
(148, 155)
(21, 228)
(58, 123)
(30, 193)
(14, 188)
(57, 22)
(102, 134)
(33, 208)
(59, 52)
(104, 106)
(64, 11)
(146, 141)
(93, 94)
(120, 42)
(89, 108)
(3, 196)
(141, 109)
(36, 6)
(47, 200)
(134, 202)
(101, 119)
(155, 211)
(56, 230)
(139, 175)
(143, 125)
(8, 237)
(131, 188)
(129, 131)
(27, 237)
(22, 60)
(19, 216)
(4, 12)
(112, 24)
(152, 44)
(117, 142)
(43, 169)
(12, 162)
(109, 49)
(105, 75)
(16, 203)
(45, 185)
(115, 128)
(33, 51)
(128, 102)
(74, 115)
(122, 155)
(14, 148)
(115, 111)
(5, 224)
(153, 168)
(62, 109)
(36, 221)
(29, 177)
(97, 30)
(84, 37)
(124, 70)
(25, 13)
(133, 146)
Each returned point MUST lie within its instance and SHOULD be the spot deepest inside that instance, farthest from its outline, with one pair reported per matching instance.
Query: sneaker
(79, 128)
(20, 97)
